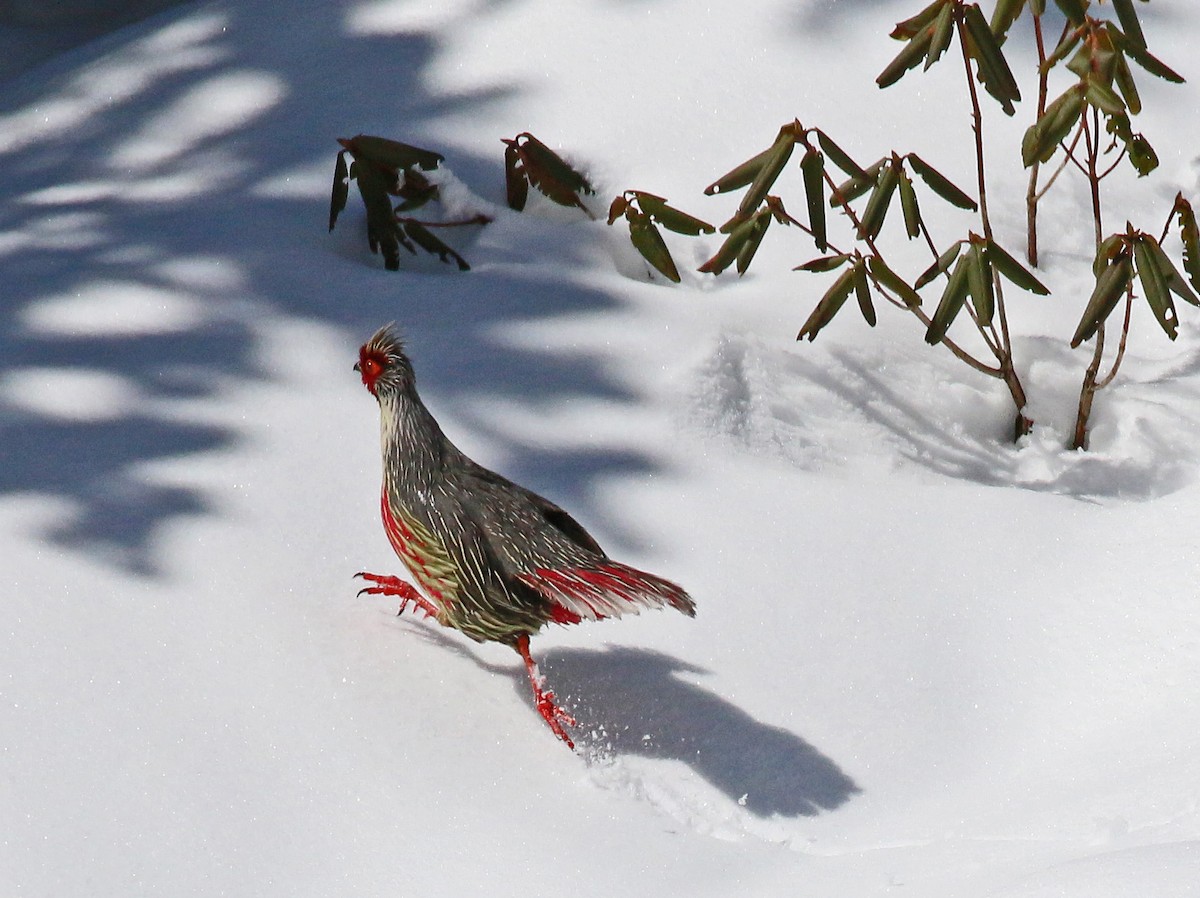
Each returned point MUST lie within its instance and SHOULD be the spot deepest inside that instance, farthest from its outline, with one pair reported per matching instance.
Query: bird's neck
(414, 447)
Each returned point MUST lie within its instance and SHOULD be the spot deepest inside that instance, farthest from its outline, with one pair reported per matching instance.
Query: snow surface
(925, 662)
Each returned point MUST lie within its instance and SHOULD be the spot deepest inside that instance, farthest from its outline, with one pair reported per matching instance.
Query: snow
(925, 662)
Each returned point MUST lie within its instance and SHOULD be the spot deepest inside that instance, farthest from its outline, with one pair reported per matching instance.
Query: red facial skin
(370, 365)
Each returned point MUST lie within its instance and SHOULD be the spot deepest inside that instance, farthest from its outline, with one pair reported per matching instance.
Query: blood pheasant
(493, 560)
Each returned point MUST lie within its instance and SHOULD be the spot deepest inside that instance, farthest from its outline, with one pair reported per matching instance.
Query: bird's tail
(607, 589)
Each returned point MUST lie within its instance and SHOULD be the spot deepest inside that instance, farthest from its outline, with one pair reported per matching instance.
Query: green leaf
(1068, 43)
(1103, 98)
(740, 176)
(1113, 282)
(886, 279)
(863, 291)
(1106, 252)
(908, 29)
(1148, 61)
(648, 241)
(910, 57)
(550, 173)
(994, 72)
(341, 189)
(728, 252)
(877, 206)
(940, 184)
(812, 167)
(1074, 10)
(1043, 136)
(1125, 83)
(953, 298)
(1154, 285)
(1003, 16)
(1129, 21)
(825, 263)
(1191, 239)
(1174, 280)
(669, 217)
(1013, 271)
(941, 266)
(758, 228)
(943, 31)
(908, 203)
(431, 243)
(840, 158)
(390, 153)
(383, 232)
(516, 185)
(981, 284)
(830, 304)
(1141, 155)
(780, 152)
(854, 187)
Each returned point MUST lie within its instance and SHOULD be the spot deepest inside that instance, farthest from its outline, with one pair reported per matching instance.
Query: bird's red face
(372, 362)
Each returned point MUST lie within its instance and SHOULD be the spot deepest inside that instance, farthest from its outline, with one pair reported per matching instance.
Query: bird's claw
(555, 716)
(388, 585)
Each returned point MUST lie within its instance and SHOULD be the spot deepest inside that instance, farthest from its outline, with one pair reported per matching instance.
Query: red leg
(543, 698)
(387, 585)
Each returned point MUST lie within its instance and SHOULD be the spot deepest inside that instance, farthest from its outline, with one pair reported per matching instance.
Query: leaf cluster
(642, 212)
(529, 162)
(384, 169)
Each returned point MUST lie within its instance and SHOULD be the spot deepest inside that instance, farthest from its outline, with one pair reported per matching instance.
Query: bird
(490, 558)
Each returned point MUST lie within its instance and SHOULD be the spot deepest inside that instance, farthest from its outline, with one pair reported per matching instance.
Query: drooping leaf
(515, 182)
(1113, 282)
(908, 58)
(758, 228)
(671, 218)
(887, 279)
(383, 232)
(728, 252)
(544, 164)
(1190, 233)
(740, 176)
(994, 72)
(1174, 280)
(840, 157)
(1064, 47)
(1152, 64)
(1123, 78)
(780, 152)
(953, 298)
(618, 207)
(980, 283)
(908, 204)
(1003, 16)
(1013, 271)
(830, 304)
(1106, 252)
(862, 290)
(1043, 136)
(649, 242)
(341, 189)
(1129, 22)
(431, 243)
(1074, 10)
(1154, 285)
(909, 28)
(825, 263)
(941, 266)
(1103, 98)
(877, 206)
(854, 187)
(390, 153)
(812, 167)
(940, 184)
(943, 31)
(1141, 155)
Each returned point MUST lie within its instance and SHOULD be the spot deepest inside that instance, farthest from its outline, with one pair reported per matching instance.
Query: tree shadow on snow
(130, 202)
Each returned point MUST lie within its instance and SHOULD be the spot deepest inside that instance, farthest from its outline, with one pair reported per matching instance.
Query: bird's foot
(387, 585)
(543, 699)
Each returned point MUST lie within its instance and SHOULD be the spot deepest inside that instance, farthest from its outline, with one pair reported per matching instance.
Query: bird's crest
(382, 362)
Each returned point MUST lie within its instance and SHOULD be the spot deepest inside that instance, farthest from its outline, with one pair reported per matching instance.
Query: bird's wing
(541, 546)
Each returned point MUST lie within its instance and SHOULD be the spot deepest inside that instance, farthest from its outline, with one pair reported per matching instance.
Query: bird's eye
(371, 368)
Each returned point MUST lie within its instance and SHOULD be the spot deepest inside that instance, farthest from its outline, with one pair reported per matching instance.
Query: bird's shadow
(631, 702)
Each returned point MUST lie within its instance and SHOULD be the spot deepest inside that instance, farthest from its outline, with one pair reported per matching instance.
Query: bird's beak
(356, 368)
